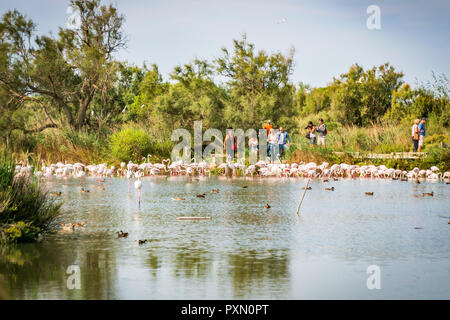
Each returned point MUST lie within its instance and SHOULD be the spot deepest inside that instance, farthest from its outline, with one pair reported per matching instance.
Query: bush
(25, 209)
(130, 144)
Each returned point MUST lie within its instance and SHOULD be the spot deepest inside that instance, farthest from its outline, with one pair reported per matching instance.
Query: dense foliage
(63, 96)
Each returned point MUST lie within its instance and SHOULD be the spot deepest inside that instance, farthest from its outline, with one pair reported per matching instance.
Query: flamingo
(138, 187)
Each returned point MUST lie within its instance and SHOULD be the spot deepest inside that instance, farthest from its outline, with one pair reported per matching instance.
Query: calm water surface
(245, 251)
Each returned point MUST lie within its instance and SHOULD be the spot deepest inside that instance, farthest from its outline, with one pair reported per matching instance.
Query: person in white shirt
(273, 144)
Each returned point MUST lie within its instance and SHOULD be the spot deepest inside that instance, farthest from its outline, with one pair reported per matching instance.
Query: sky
(328, 35)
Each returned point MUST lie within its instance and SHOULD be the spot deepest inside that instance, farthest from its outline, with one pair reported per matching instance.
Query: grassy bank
(378, 138)
(26, 210)
(133, 141)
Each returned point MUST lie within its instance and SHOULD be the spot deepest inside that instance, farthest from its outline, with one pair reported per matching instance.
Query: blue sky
(328, 36)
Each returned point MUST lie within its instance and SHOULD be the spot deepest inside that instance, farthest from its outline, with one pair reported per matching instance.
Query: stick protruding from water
(303, 196)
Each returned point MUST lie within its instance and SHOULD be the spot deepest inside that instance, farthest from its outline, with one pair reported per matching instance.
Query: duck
(335, 179)
(79, 225)
(68, 227)
(418, 228)
(56, 194)
(84, 190)
(428, 194)
(215, 191)
(178, 199)
(121, 234)
(309, 188)
(142, 241)
(245, 187)
(330, 189)
(267, 206)
(369, 193)
(201, 195)
(101, 188)
(325, 180)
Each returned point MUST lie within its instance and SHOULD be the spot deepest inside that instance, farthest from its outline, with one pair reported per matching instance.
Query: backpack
(326, 131)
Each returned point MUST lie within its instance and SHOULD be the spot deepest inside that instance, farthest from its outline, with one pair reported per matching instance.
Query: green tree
(63, 74)
(258, 85)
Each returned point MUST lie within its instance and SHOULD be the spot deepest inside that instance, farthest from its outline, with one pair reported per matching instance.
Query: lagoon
(244, 251)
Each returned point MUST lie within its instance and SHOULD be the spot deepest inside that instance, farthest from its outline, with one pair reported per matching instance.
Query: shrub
(25, 208)
(130, 144)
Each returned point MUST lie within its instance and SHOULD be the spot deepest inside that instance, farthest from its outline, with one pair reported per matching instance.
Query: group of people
(277, 142)
(316, 133)
(418, 134)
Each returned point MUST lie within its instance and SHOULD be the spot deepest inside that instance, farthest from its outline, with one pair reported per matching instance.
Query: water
(245, 251)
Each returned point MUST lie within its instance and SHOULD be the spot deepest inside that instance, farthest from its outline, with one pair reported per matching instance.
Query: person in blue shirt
(421, 133)
(283, 141)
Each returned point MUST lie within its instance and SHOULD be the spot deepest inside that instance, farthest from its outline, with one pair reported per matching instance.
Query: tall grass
(25, 208)
(378, 138)
(86, 146)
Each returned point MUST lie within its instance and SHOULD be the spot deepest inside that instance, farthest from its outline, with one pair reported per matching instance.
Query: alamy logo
(74, 20)
(374, 280)
(374, 20)
(74, 279)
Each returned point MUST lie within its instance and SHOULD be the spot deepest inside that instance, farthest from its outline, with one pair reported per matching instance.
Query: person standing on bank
(415, 134)
(268, 126)
(283, 141)
(421, 133)
(273, 144)
(311, 134)
(230, 144)
(321, 133)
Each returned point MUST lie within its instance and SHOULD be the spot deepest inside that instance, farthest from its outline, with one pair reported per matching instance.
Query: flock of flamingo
(260, 169)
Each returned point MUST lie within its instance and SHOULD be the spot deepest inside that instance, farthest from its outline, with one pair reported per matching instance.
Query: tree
(363, 97)
(258, 85)
(64, 74)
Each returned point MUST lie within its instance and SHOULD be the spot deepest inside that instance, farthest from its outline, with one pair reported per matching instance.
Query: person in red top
(268, 127)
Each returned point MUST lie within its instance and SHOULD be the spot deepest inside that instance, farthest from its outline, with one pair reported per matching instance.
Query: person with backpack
(321, 133)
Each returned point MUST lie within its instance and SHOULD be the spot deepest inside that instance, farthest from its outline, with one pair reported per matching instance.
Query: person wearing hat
(421, 133)
(321, 133)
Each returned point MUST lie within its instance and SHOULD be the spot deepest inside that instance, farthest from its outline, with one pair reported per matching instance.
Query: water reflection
(265, 272)
(245, 250)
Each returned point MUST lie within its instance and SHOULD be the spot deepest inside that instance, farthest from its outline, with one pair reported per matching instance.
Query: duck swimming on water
(121, 234)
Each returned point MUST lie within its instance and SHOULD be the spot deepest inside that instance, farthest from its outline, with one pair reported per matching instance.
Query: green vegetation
(67, 97)
(130, 144)
(25, 209)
